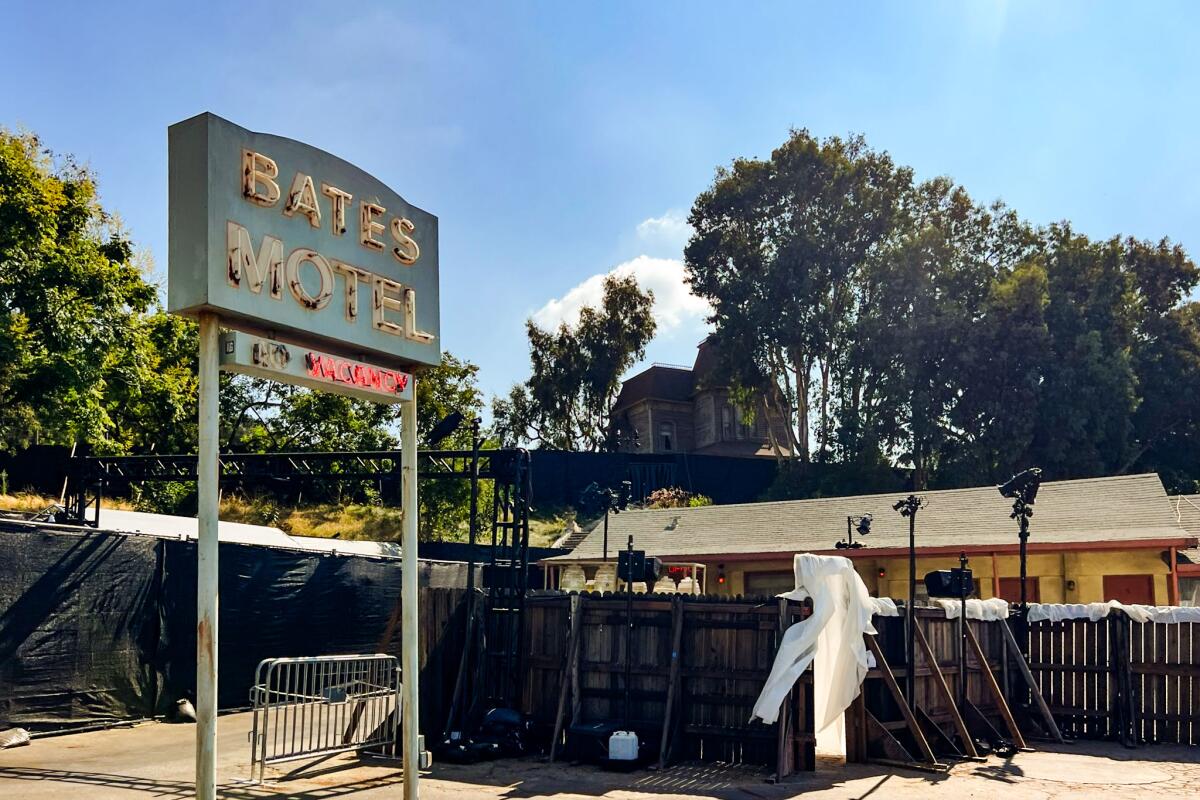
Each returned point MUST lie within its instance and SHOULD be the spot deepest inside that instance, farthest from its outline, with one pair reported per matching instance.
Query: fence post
(783, 733)
(1120, 671)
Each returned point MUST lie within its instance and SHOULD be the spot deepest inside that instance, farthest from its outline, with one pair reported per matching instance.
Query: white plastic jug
(623, 746)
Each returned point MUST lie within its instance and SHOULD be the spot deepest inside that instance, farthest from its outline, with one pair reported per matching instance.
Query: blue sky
(558, 141)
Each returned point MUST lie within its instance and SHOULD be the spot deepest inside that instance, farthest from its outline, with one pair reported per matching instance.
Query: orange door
(1130, 588)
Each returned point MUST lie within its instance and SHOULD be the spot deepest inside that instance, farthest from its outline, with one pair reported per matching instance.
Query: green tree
(918, 332)
(1089, 389)
(576, 372)
(778, 250)
(265, 416)
(1165, 355)
(446, 504)
(150, 387)
(903, 325)
(71, 293)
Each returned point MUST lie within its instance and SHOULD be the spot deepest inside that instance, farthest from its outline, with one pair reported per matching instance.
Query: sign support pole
(207, 483)
(408, 597)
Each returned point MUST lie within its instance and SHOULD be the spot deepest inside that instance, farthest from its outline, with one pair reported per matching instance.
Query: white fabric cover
(1057, 612)
(832, 636)
(990, 610)
(885, 607)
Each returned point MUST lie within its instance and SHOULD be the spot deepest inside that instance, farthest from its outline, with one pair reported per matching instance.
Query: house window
(666, 436)
(742, 427)
(726, 423)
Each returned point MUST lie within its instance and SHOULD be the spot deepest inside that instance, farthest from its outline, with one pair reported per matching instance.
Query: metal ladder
(507, 582)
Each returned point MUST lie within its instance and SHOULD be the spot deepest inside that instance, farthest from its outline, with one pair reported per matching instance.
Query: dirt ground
(154, 760)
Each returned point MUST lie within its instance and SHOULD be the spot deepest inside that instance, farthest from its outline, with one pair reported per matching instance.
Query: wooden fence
(1119, 679)
(696, 668)
(882, 725)
(1108, 679)
(441, 637)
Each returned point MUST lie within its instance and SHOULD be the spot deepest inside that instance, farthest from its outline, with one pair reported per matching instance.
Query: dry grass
(355, 521)
(547, 525)
(29, 501)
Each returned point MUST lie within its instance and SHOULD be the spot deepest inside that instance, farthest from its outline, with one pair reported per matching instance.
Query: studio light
(861, 525)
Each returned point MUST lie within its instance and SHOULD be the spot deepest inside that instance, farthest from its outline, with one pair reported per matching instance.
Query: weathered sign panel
(285, 240)
(304, 366)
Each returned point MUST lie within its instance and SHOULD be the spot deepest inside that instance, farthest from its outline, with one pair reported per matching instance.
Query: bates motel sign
(295, 245)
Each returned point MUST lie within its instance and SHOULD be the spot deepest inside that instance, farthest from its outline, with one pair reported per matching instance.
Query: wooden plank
(1191, 699)
(989, 681)
(947, 695)
(982, 726)
(898, 695)
(673, 685)
(783, 754)
(565, 684)
(936, 734)
(575, 678)
(1015, 651)
(890, 745)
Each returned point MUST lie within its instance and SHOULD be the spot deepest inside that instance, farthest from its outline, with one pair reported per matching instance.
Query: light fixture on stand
(908, 507)
(1022, 489)
(860, 524)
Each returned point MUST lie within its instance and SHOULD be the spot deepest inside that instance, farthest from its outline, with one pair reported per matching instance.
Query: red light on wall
(882, 572)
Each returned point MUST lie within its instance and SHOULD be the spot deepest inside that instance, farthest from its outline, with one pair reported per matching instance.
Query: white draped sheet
(832, 637)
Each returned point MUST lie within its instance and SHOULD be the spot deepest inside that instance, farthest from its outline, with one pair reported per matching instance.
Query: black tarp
(98, 627)
(78, 616)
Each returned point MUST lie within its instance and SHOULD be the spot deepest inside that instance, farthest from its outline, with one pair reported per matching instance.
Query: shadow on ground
(527, 778)
(181, 790)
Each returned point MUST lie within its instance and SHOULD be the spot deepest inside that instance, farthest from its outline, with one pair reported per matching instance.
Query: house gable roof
(658, 382)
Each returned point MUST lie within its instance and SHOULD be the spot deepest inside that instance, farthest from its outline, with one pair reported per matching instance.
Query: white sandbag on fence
(990, 610)
(1059, 612)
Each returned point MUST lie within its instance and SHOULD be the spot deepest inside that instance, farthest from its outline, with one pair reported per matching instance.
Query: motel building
(1092, 540)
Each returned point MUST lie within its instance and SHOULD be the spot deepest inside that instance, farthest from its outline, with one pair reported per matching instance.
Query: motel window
(1189, 591)
(769, 584)
(666, 436)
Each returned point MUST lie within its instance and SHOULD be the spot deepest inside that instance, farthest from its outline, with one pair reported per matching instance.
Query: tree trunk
(823, 445)
(803, 368)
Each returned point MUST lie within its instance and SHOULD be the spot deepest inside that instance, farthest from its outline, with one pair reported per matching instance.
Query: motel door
(1138, 589)
(1010, 589)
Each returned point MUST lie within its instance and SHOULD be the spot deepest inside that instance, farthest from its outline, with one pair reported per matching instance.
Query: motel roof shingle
(1120, 508)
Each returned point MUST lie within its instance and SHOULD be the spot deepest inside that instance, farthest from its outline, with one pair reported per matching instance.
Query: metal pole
(1024, 614)
(628, 628)
(962, 633)
(910, 676)
(207, 479)
(1024, 537)
(473, 524)
(408, 596)
(607, 504)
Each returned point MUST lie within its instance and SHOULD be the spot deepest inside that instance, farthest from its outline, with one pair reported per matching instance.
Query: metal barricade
(322, 705)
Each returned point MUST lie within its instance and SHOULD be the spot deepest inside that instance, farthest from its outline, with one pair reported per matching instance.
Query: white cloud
(674, 306)
(669, 232)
